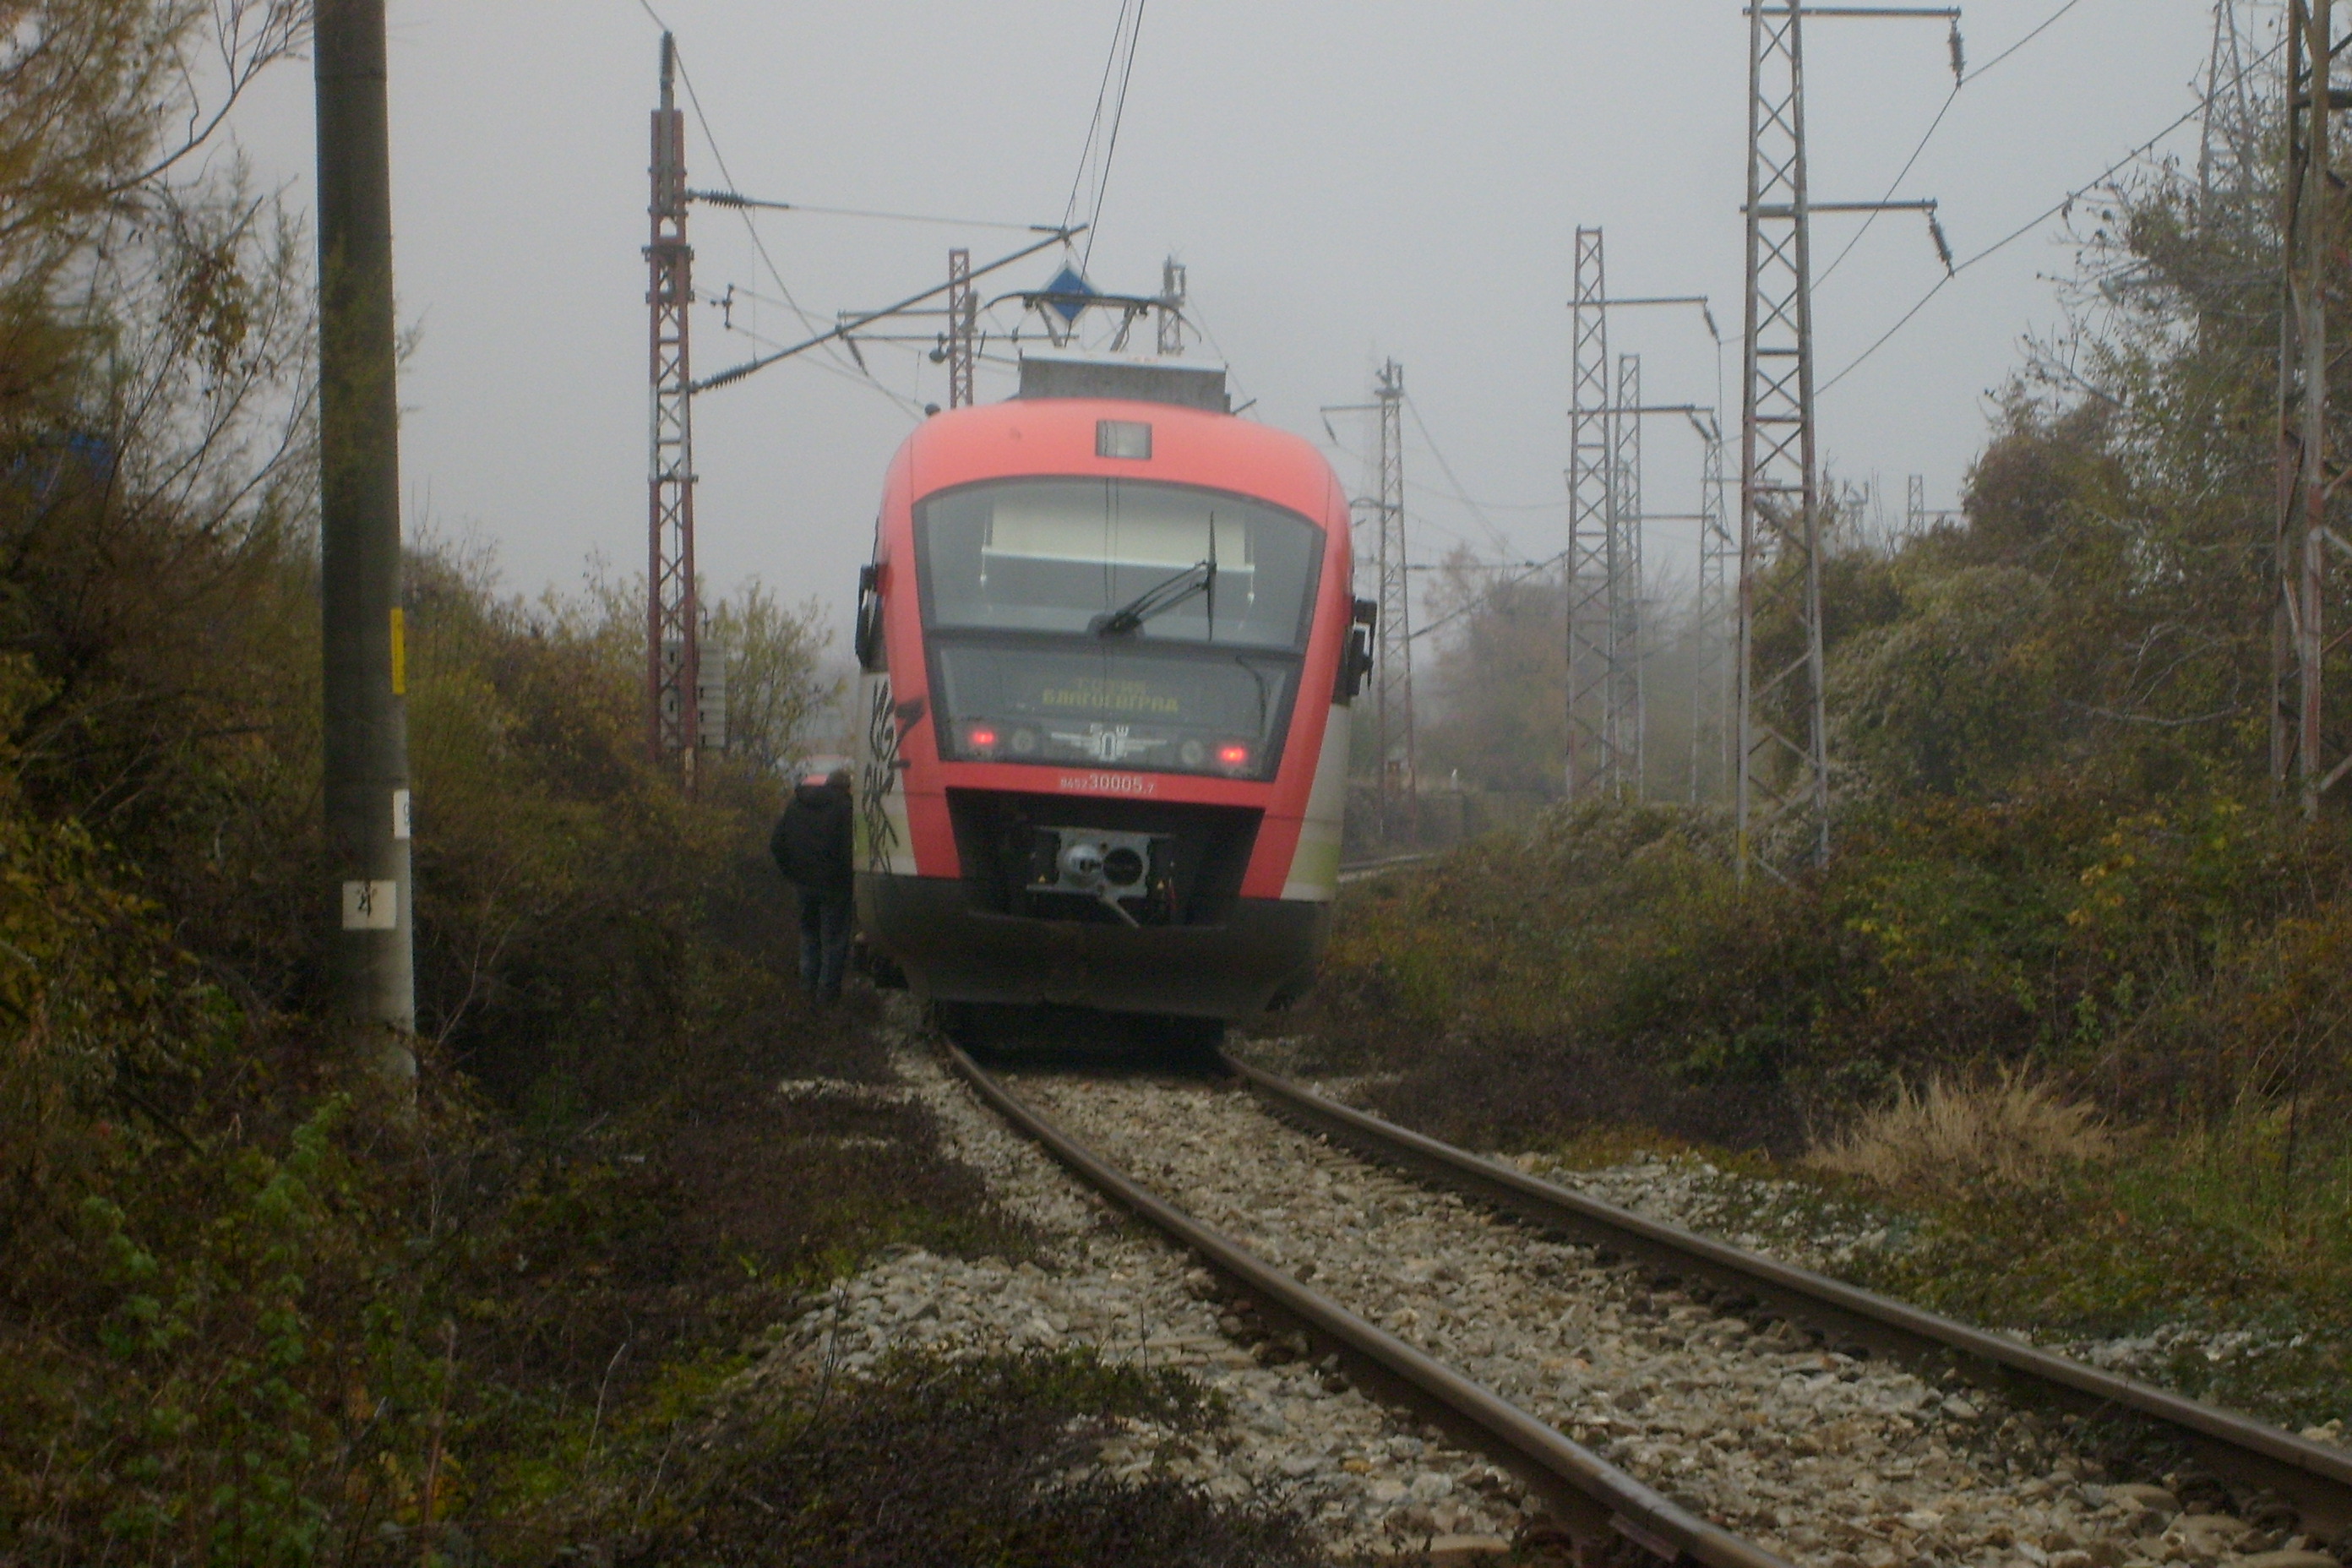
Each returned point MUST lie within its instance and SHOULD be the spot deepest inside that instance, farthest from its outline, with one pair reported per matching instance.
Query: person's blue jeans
(825, 942)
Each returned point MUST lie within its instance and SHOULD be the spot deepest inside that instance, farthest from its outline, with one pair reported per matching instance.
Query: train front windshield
(1115, 623)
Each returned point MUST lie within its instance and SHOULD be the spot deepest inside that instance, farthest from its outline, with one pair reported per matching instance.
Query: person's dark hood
(821, 797)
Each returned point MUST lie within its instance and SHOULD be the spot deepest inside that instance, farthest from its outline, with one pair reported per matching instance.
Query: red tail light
(981, 737)
(1233, 756)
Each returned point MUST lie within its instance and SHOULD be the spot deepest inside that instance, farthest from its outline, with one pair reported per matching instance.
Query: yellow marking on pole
(399, 652)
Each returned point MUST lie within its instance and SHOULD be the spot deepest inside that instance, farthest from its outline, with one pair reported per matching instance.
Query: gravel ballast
(1814, 1456)
(1371, 1480)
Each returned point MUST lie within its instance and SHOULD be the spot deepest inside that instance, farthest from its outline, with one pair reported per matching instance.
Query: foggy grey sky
(1345, 182)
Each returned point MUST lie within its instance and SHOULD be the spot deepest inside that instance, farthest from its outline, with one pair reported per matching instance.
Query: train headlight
(1193, 753)
(1025, 741)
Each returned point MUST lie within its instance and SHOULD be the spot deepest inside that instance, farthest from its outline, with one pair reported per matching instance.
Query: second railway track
(1715, 1385)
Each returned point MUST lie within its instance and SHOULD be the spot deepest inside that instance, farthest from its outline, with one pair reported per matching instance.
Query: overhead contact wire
(1953, 97)
(1117, 118)
(2053, 210)
(855, 372)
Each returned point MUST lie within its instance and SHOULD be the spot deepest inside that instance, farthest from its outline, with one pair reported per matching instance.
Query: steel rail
(1593, 1493)
(2315, 1478)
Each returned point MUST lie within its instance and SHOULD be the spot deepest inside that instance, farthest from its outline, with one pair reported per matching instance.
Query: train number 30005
(1109, 784)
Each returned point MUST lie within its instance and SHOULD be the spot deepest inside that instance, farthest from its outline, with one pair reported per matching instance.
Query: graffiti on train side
(887, 723)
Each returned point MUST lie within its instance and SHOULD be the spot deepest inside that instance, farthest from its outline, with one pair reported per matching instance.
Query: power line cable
(1200, 325)
(1460, 492)
(2053, 210)
(1117, 118)
(1949, 99)
(1093, 126)
(737, 199)
(1550, 506)
(856, 368)
(1454, 615)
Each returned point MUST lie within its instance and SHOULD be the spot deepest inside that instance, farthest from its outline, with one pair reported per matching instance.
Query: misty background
(1345, 182)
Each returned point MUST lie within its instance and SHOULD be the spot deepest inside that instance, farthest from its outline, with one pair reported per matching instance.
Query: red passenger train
(1108, 644)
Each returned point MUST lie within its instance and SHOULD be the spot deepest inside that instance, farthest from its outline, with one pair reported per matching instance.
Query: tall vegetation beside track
(243, 1319)
(2060, 861)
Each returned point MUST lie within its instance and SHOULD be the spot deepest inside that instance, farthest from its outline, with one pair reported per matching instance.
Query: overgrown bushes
(2167, 957)
(245, 1316)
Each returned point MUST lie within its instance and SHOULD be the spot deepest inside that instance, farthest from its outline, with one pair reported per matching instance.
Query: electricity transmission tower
(1916, 513)
(1718, 548)
(2229, 124)
(2302, 752)
(963, 329)
(1400, 769)
(1593, 765)
(1628, 720)
(673, 628)
(1607, 703)
(1783, 800)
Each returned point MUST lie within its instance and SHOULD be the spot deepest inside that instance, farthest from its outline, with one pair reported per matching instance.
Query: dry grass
(1954, 1138)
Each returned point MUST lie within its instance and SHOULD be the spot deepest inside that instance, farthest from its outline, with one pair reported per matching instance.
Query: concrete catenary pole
(366, 681)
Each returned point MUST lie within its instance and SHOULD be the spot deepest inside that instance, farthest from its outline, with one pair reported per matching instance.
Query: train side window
(872, 648)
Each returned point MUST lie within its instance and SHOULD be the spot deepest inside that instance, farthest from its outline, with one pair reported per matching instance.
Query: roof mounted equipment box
(1139, 381)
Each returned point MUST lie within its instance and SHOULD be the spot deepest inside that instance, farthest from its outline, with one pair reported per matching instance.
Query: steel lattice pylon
(1628, 717)
(1400, 771)
(672, 624)
(1713, 734)
(1591, 763)
(1783, 801)
(963, 329)
(2304, 755)
(1171, 307)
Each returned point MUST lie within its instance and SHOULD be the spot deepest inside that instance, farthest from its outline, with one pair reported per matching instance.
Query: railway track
(1661, 1388)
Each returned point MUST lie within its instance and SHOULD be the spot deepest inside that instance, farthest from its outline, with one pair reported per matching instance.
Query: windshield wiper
(1201, 577)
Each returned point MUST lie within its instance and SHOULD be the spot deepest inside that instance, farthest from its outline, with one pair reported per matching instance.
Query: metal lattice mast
(1718, 548)
(1171, 307)
(1399, 772)
(1628, 717)
(2301, 751)
(1591, 763)
(2229, 117)
(1783, 788)
(1783, 795)
(672, 625)
(963, 329)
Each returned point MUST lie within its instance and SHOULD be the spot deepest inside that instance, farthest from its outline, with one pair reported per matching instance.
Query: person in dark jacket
(812, 846)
